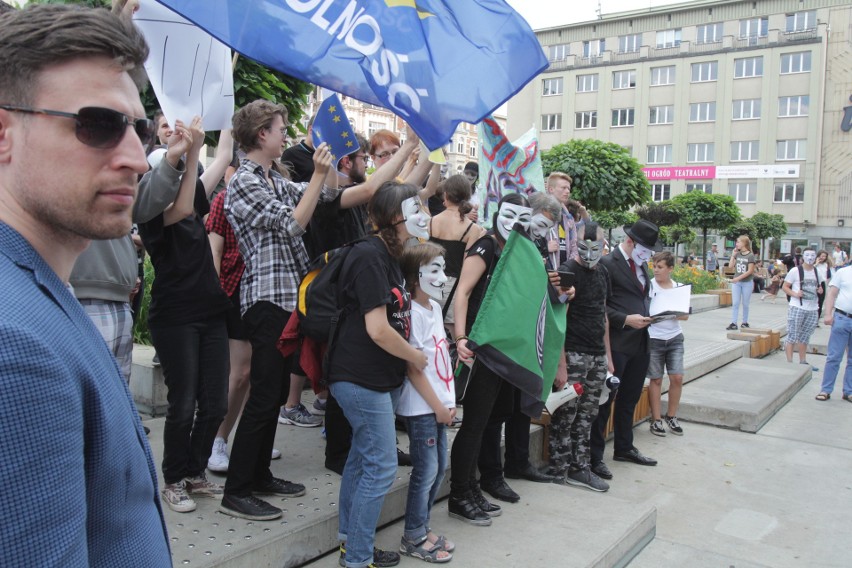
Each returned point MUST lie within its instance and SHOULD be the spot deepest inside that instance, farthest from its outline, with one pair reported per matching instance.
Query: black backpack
(802, 279)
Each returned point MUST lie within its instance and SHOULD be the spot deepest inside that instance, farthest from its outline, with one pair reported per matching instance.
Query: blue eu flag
(332, 126)
(434, 63)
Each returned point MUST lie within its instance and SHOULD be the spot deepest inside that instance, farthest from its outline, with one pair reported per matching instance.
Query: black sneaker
(381, 558)
(674, 425)
(585, 478)
(732, 327)
(465, 509)
(283, 487)
(657, 428)
(249, 507)
(487, 506)
(744, 325)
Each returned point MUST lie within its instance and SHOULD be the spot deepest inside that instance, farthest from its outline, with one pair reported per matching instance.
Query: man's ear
(6, 136)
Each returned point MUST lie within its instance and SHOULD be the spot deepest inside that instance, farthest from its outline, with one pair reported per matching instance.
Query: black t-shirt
(486, 249)
(370, 278)
(299, 160)
(186, 287)
(586, 312)
(332, 226)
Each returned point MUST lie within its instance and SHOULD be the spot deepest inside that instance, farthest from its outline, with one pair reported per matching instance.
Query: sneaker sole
(482, 523)
(217, 468)
(660, 434)
(569, 481)
(181, 508)
(282, 420)
(241, 515)
(494, 513)
(676, 433)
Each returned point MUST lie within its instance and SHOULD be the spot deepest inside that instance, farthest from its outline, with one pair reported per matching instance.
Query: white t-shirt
(839, 257)
(822, 270)
(666, 329)
(842, 280)
(809, 300)
(428, 335)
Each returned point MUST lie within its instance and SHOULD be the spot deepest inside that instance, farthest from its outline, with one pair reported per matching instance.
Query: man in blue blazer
(627, 310)
(79, 484)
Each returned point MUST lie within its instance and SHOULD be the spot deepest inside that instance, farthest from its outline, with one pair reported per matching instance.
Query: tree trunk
(704, 248)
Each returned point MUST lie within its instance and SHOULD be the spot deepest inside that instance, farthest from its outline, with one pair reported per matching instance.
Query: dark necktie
(635, 275)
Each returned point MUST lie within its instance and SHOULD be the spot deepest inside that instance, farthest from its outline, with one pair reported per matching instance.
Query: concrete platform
(146, 382)
(743, 395)
(703, 302)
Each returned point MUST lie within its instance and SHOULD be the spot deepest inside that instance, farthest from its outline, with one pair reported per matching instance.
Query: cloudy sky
(549, 13)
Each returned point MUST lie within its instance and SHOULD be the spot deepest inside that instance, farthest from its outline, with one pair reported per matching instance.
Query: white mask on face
(432, 277)
(508, 215)
(590, 252)
(809, 257)
(416, 219)
(540, 225)
(641, 254)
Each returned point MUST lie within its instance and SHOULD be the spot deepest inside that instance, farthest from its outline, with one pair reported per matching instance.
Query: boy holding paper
(666, 351)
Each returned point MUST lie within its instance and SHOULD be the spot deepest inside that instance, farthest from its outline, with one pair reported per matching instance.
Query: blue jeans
(741, 291)
(428, 447)
(840, 342)
(370, 468)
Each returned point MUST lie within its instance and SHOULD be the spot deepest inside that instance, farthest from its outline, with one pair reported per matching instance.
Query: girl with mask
(741, 284)
(368, 363)
(466, 500)
(427, 403)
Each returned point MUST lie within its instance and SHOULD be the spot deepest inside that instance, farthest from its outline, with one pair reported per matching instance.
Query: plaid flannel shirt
(232, 266)
(269, 238)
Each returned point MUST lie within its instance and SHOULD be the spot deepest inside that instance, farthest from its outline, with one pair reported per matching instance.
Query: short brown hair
(664, 256)
(559, 175)
(382, 137)
(416, 256)
(251, 119)
(43, 35)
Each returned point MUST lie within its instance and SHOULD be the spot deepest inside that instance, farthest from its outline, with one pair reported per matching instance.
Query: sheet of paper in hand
(669, 303)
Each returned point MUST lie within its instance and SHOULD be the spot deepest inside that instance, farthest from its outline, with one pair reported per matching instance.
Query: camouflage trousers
(571, 424)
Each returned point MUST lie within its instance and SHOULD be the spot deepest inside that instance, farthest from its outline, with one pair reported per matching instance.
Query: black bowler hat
(644, 233)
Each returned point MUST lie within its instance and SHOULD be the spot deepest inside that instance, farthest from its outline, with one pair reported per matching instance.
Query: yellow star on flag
(344, 134)
(349, 143)
(336, 118)
(332, 108)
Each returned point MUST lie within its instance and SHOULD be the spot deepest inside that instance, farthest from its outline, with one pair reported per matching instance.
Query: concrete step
(743, 395)
(146, 382)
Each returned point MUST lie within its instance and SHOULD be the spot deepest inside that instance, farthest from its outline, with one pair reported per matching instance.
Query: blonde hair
(558, 175)
(746, 240)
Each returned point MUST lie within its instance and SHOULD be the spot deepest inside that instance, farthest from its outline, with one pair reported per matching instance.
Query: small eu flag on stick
(332, 127)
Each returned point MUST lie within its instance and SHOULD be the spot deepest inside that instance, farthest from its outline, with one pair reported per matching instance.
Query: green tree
(662, 213)
(673, 235)
(609, 220)
(765, 226)
(606, 176)
(706, 211)
(740, 228)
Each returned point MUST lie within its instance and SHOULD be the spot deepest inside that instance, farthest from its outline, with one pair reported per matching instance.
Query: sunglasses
(98, 127)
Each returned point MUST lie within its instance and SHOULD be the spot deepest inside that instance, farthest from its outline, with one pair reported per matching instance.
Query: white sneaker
(219, 458)
(176, 497)
(276, 454)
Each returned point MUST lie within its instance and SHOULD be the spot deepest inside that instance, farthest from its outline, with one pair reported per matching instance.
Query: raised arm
(184, 203)
(224, 153)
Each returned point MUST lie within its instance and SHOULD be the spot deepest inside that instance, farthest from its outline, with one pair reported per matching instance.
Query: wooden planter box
(725, 298)
(774, 336)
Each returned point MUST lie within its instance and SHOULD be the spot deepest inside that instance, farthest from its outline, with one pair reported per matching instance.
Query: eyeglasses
(386, 153)
(98, 127)
(362, 156)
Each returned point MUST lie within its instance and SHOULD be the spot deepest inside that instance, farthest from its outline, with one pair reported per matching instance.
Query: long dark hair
(457, 191)
(384, 209)
(514, 199)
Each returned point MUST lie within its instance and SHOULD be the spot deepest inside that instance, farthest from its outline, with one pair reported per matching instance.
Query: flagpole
(234, 60)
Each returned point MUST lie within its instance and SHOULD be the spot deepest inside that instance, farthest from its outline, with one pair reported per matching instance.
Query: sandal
(443, 542)
(826, 396)
(436, 554)
(846, 397)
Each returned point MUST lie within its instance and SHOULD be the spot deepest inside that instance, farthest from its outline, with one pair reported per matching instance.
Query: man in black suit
(627, 310)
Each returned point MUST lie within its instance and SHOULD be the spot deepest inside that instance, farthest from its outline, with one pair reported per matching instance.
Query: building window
(661, 191)
(663, 75)
(801, 21)
(743, 192)
(624, 79)
(702, 112)
(551, 86)
(789, 192)
(551, 122)
(629, 43)
(587, 83)
(799, 62)
(700, 152)
(558, 52)
(623, 117)
(790, 150)
(746, 151)
(374, 127)
(746, 109)
(668, 38)
(706, 71)
(661, 115)
(587, 119)
(709, 33)
(754, 28)
(748, 67)
(660, 154)
(794, 106)
(594, 47)
(472, 151)
(460, 147)
(705, 187)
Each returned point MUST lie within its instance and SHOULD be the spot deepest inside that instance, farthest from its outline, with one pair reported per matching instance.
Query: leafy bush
(701, 280)
(141, 333)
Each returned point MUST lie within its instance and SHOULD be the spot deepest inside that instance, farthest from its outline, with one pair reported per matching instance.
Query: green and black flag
(520, 331)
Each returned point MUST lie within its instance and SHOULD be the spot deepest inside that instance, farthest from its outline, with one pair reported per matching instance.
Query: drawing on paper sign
(189, 70)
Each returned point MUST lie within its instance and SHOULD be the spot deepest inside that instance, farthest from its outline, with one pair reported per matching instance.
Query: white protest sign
(189, 69)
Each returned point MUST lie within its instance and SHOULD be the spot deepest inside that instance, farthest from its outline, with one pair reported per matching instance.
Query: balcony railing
(799, 36)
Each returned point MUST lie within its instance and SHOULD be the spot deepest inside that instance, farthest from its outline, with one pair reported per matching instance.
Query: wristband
(460, 337)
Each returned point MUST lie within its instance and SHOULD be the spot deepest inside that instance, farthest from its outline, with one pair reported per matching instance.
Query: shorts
(800, 324)
(666, 355)
(233, 319)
